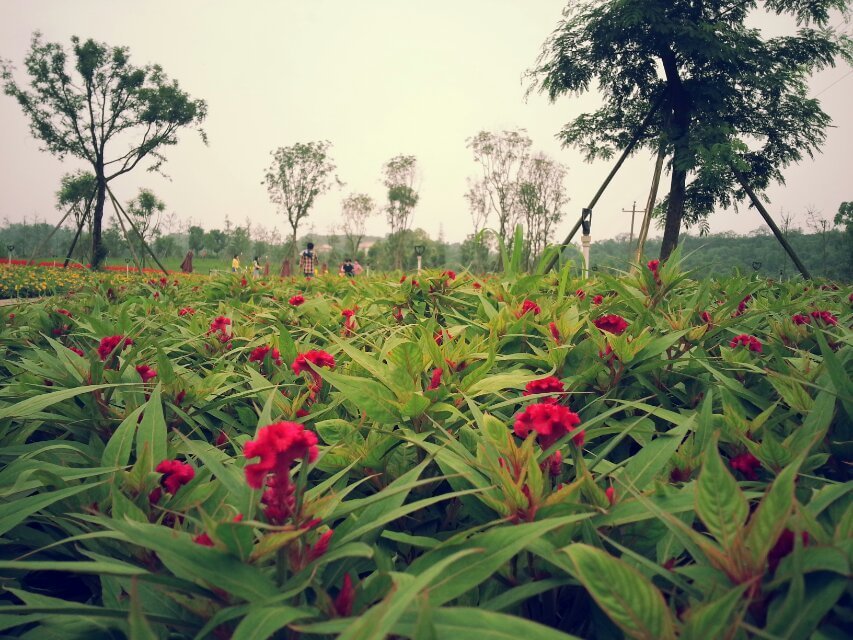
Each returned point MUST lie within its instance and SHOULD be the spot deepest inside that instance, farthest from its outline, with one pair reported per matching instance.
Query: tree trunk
(679, 133)
(99, 253)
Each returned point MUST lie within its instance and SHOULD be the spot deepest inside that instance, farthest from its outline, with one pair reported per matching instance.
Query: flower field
(644, 456)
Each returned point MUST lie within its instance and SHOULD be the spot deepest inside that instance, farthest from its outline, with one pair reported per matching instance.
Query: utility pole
(633, 211)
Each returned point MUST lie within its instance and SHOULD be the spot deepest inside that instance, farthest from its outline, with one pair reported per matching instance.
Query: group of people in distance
(308, 265)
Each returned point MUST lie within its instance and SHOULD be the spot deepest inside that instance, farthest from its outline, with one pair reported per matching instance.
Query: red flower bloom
(653, 266)
(706, 318)
(79, 352)
(145, 372)
(477, 285)
(186, 311)
(221, 439)
(550, 422)
(611, 324)
(296, 300)
(526, 307)
(175, 474)
(319, 359)
(220, 325)
(180, 397)
(439, 336)
(610, 492)
(302, 413)
(581, 294)
(450, 275)
(345, 598)
(402, 278)
(204, 540)
(64, 312)
(278, 446)
(741, 307)
(555, 332)
(799, 318)
(746, 340)
(825, 316)
(555, 464)
(398, 314)
(320, 547)
(111, 343)
(747, 464)
(596, 300)
(259, 354)
(783, 547)
(243, 281)
(550, 384)
(414, 283)
(435, 380)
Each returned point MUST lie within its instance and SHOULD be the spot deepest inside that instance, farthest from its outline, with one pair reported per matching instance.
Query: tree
(501, 157)
(297, 175)
(400, 175)
(541, 196)
(478, 205)
(196, 238)
(239, 241)
(76, 192)
(845, 217)
(215, 240)
(734, 104)
(356, 208)
(109, 101)
(145, 211)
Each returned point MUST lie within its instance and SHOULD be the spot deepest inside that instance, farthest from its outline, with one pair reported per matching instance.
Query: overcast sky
(377, 78)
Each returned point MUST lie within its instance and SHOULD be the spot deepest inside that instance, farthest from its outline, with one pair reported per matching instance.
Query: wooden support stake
(139, 235)
(650, 205)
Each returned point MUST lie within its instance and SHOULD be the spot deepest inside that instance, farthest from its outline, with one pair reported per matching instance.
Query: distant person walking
(235, 263)
(256, 267)
(307, 260)
(348, 268)
(187, 264)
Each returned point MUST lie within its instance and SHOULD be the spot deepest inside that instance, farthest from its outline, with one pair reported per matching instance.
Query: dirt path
(9, 302)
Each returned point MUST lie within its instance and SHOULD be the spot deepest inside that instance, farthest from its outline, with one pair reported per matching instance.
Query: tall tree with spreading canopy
(355, 209)
(400, 174)
(297, 175)
(105, 111)
(734, 110)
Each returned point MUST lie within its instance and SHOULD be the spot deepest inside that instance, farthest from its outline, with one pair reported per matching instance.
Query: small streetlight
(127, 266)
(11, 248)
(419, 252)
(756, 265)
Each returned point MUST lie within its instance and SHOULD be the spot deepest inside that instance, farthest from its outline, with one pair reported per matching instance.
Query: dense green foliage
(690, 481)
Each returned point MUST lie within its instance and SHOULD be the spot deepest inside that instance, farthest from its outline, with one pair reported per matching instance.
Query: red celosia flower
(79, 352)
(825, 316)
(414, 283)
(348, 313)
(302, 413)
(528, 306)
(64, 312)
(278, 446)
(596, 300)
(653, 266)
(345, 598)
(259, 354)
(799, 318)
(477, 285)
(435, 380)
(145, 372)
(221, 439)
(610, 492)
(783, 547)
(402, 278)
(741, 307)
(555, 332)
(180, 397)
(219, 325)
(551, 384)
(555, 464)
(111, 343)
(296, 300)
(320, 547)
(611, 324)
(439, 336)
(316, 357)
(581, 294)
(59, 331)
(204, 540)
(450, 275)
(550, 422)
(243, 281)
(175, 474)
(398, 314)
(186, 311)
(706, 318)
(349, 322)
(747, 464)
(746, 340)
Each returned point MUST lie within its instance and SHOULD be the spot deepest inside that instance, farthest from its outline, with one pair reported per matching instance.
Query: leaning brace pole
(126, 235)
(776, 232)
(650, 205)
(586, 213)
(139, 235)
(86, 213)
(47, 239)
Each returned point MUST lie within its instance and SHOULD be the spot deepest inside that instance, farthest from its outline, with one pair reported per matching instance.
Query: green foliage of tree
(732, 98)
(400, 173)
(196, 238)
(297, 175)
(215, 241)
(145, 211)
(76, 192)
(101, 106)
(356, 208)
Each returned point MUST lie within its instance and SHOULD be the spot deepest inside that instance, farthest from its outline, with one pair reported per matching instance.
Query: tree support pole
(73, 243)
(136, 260)
(776, 232)
(587, 212)
(139, 235)
(49, 236)
(650, 205)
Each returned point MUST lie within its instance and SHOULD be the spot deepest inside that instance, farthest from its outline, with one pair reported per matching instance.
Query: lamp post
(756, 265)
(586, 224)
(11, 248)
(127, 266)
(419, 252)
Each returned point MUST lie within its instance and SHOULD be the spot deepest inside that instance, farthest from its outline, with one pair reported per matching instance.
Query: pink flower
(747, 464)
(825, 317)
(278, 446)
(175, 474)
(528, 306)
(551, 384)
(259, 354)
(220, 325)
(555, 332)
(746, 340)
(597, 300)
(319, 548)
(186, 311)
(610, 492)
(550, 422)
(799, 319)
(555, 464)
(111, 343)
(611, 324)
(145, 372)
(296, 300)
(435, 379)
(653, 266)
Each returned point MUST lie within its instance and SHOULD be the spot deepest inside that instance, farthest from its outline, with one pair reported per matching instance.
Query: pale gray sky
(377, 78)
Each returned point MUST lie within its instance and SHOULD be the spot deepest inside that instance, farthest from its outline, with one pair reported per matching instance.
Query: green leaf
(152, 430)
(30, 406)
(719, 502)
(140, 629)
(454, 623)
(376, 400)
(627, 597)
(260, 624)
(117, 451)
(14, 513)
(714, 619)
(645, 466)
(771, 517)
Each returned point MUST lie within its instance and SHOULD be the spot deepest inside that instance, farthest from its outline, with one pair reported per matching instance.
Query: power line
(833, 84)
